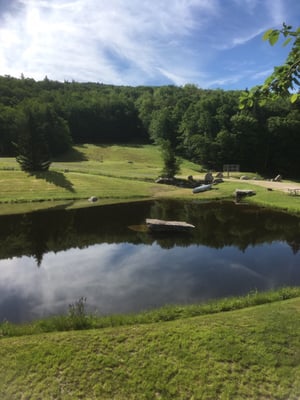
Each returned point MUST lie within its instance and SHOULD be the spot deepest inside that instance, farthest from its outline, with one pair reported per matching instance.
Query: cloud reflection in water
(118, 278)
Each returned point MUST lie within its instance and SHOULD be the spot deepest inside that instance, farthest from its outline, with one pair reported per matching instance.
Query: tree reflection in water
(92, 253)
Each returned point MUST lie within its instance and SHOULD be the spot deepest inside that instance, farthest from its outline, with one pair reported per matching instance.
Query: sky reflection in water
(118, 278)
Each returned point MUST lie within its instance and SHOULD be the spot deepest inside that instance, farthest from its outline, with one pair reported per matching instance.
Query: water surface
(50, 259)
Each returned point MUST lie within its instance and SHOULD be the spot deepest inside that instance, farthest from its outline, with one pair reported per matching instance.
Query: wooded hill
(205, 126)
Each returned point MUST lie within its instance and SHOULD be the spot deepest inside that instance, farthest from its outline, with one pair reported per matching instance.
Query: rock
(244, 177)
(241, 193)
(93, 199)
(278, 178)
(217, 180)
(159, 225)
(166, 181)
(208, 178)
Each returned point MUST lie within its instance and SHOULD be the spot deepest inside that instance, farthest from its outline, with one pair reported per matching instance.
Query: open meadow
(118, 173)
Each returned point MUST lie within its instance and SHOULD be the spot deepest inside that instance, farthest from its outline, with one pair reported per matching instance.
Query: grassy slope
(112, 173)
(252, 353)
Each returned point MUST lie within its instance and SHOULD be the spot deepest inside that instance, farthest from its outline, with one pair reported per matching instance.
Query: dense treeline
(205, 126)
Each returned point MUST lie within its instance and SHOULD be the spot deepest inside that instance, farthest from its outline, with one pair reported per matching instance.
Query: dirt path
(283, 186)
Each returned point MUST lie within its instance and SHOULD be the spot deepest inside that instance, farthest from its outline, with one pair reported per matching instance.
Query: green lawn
(142, 162)
(113, 174)
(253, 353)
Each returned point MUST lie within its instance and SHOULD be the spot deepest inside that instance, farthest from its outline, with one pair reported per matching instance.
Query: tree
(55, 130)
(163, 131)
(285, 79)
(32, 149)
(9, 121)
(171, 162)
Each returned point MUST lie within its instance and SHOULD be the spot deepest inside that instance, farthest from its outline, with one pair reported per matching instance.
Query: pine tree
(32, 148)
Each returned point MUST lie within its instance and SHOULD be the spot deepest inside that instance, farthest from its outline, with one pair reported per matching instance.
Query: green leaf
(294, 97)
(287, 41)
(267, 34)
(273, 38)
(262, 102)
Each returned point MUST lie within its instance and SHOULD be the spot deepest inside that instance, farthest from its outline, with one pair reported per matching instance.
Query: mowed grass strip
(252, 353)
(18, 186)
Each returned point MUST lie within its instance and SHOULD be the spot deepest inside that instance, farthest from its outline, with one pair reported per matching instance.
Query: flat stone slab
(160, 225)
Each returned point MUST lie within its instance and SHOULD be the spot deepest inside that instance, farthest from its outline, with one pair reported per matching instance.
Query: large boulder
(208, 178)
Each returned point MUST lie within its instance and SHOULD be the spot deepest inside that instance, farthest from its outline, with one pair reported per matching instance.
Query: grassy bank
(251, 353)
(113, 174)
(77, 317)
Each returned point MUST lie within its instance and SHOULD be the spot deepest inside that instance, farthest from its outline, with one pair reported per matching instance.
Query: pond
(50, 259)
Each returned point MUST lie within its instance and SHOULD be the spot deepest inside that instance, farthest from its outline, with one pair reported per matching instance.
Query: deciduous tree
(285, 79)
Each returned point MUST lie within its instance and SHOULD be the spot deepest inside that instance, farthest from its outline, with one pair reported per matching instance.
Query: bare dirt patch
(284, 186)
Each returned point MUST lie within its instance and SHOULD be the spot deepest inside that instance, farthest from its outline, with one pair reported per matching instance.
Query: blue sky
(209, 43)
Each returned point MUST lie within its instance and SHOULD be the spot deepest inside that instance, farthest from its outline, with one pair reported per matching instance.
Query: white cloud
(88, 40)
(252, 19)
(278, 11)
(238, 39)
(136, 42)
(262, 74)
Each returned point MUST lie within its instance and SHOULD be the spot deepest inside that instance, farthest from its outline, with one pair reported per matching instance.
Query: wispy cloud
(136, 42)
(88, 40)
(262, 74)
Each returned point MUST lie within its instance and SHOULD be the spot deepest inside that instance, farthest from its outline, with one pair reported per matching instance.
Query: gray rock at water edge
(241, 193)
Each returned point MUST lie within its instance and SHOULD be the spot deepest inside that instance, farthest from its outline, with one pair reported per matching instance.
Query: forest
(204, 126)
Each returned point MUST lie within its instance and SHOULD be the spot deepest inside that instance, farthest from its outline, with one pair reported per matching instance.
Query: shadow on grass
(72, 155)
(57, 178)
(120, 144)
(62, 206)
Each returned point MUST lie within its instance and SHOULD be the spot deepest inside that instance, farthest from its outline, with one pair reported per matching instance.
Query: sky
(208, 43)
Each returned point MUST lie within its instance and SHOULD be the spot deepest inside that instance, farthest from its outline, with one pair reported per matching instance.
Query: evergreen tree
(32, 148)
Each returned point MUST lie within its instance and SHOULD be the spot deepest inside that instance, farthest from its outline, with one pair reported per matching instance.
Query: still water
(49, 260)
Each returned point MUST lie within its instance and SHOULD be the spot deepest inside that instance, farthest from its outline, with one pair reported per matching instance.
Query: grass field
(251, 353)
(113, 174)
